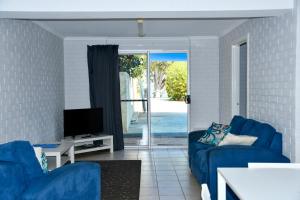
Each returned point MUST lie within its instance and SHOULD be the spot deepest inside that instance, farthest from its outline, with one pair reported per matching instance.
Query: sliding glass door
(153, 89)
(168, 90)
(134, 98)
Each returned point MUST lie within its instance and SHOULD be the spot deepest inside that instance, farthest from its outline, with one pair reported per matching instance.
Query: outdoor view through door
(160, 87)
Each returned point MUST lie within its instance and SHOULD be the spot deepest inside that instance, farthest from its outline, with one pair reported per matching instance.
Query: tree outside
(158, 76)
(176, 81)
(169, 76)
(134, 65)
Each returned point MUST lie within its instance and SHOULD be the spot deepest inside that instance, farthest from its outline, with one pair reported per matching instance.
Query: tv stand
(88, 143)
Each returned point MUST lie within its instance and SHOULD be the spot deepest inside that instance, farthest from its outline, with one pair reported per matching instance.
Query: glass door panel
(134, 102)
(168, 89)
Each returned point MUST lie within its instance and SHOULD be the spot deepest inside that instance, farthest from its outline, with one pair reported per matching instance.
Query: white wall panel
(204, 82)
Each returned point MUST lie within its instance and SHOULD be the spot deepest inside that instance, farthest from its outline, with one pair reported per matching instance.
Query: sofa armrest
(237, 156)
(196, 135)
(71, 182)
(12, 180)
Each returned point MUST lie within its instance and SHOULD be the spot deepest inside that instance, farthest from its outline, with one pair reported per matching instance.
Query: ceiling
(151, 27)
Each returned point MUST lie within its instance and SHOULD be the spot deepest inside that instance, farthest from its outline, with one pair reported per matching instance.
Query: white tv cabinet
(85, 143)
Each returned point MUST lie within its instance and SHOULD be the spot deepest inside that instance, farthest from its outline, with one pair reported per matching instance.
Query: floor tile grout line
(180, 185)
(155, 175)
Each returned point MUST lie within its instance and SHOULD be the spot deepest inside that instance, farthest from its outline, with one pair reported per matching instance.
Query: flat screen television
(83, 121)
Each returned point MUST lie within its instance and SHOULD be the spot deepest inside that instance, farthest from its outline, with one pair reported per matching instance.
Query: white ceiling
(152, 28)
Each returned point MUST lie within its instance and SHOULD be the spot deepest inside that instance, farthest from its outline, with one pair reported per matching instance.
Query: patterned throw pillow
(41, 156)
(215, 134)
(44, 163)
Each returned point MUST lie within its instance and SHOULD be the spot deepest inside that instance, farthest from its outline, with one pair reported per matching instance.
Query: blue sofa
(204, 159)
(22, 178)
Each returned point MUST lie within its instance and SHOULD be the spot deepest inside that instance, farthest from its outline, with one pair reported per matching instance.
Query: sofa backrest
(267, 137)
(22, 152)
(237, 124)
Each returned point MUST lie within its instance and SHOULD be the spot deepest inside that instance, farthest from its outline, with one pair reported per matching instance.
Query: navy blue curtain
(105, 88)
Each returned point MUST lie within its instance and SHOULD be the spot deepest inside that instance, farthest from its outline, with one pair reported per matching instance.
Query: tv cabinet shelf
(89, 143)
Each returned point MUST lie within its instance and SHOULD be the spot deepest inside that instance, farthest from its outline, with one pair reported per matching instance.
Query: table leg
(221, 187)
(58, 160)
(71, 154)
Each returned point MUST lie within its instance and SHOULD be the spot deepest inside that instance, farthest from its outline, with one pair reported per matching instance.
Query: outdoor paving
(168, 125)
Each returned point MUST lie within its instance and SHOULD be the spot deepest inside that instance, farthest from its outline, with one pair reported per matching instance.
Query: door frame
(235, 74)
(148, 52)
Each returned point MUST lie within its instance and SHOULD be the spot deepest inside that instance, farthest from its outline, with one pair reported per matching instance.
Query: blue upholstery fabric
(276, 144)
(12, 180)
(205, 160)
(263, 132)
(21, 177)
(76, 181)
(22, 152)
(194, 145)
(237, 124)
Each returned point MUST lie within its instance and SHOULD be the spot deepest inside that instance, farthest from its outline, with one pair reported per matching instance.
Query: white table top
(262, 184)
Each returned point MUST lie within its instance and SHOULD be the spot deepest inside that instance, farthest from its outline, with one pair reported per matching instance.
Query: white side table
(64, 147)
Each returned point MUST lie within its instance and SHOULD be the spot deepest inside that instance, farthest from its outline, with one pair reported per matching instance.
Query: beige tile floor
(165, 173)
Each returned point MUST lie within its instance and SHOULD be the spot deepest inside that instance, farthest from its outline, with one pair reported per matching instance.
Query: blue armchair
(21, 177)
(204, 159)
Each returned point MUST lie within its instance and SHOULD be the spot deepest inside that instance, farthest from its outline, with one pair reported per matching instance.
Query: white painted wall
(271, 74)
(204, 82)
(204, 72)
(146, 9)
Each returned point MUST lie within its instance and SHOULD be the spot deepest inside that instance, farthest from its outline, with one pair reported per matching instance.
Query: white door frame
(235, 75)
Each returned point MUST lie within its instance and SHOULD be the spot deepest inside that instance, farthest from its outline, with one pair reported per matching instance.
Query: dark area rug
(120, 179)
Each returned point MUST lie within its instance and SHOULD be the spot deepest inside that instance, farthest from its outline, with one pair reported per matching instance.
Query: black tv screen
(83, 121)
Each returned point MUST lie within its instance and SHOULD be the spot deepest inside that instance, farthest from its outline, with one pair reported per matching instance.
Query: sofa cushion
(237, 124)
(196, 146)
(263, 132)
(232, 139)
(22, 152)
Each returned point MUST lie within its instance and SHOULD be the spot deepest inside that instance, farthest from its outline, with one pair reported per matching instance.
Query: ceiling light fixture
(140, 23)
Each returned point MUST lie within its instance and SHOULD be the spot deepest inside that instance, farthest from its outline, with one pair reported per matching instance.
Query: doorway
(240, 63)
(153, 87)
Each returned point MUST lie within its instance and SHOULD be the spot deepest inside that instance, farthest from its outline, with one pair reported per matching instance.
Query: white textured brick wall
(297, 85)
(31, 83)
(271, 74)
(204, 71)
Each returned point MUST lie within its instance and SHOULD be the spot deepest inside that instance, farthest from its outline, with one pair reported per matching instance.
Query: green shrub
(176, 81)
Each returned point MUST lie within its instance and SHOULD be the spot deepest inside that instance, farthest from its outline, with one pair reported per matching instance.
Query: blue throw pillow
(215, 134)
